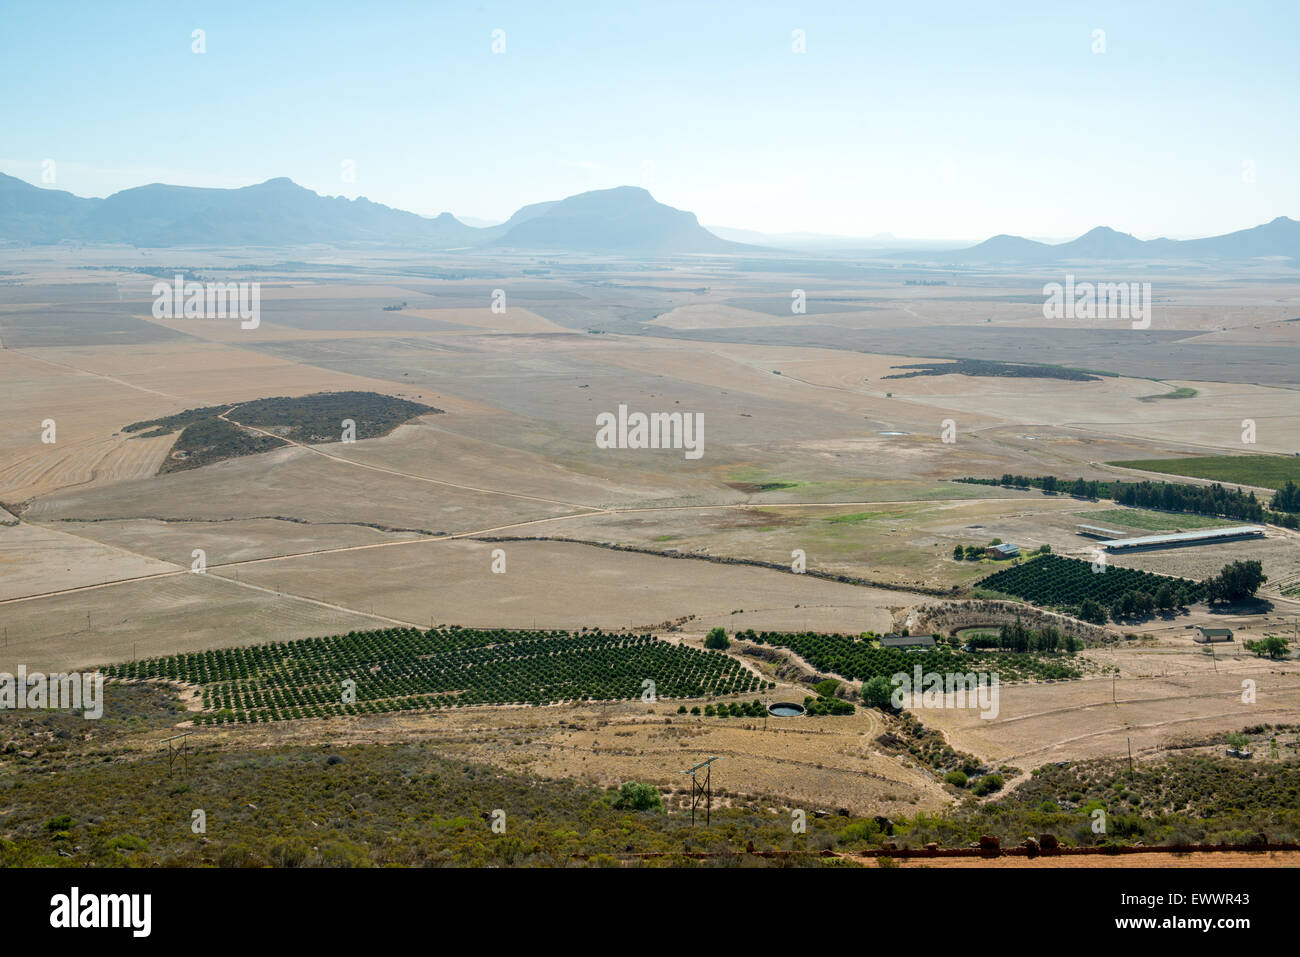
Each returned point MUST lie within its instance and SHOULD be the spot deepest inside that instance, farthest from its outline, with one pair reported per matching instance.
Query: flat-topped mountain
(623, 219)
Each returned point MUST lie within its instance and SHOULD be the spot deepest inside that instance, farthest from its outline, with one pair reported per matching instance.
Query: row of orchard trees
(403, 669)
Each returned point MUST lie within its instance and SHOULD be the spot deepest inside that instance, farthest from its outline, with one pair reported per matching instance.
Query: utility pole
(704, 791)
(1130, 757)
(182, 751)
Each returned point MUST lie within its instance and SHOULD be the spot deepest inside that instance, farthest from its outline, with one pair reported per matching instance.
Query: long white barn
(1204, 536)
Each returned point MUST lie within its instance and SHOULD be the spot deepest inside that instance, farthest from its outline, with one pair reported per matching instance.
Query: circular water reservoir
(785, 709)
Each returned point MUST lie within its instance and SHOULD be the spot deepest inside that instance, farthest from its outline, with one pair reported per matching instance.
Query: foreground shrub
(635, 796)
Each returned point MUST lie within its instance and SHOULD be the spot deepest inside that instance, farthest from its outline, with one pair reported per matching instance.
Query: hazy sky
(935, 120)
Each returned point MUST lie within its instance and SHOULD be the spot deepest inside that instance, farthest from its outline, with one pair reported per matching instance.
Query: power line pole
(704, 790)
(182, 751)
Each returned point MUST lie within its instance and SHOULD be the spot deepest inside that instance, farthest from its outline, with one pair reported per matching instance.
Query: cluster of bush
(214, 440)
(1238, 580)
(206, 438)
(723, 709)
(825, 702)
(1017, 636)
(1270, 646)
(983, 785)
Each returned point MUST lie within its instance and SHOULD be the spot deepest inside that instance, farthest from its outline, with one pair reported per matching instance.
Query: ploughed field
(405, 669)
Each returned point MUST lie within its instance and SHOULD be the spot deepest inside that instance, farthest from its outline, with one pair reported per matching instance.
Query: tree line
(1215, 500)
(1017, 636)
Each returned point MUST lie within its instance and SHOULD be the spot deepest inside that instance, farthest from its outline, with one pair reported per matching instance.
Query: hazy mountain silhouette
(34, 215)
(1281, 237)
(279, 212)
(625, 219)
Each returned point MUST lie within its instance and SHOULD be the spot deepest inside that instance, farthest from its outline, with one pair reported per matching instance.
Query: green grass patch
(1152, 520)
(853, 518)
(1264, 471)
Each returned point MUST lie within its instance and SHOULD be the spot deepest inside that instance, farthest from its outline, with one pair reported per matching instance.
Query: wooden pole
(708, 800)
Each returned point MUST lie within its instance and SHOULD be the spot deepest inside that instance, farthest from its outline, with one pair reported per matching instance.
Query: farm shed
(1205, 536)
(1097, 531)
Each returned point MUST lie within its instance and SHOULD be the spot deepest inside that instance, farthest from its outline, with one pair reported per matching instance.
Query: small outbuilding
(1005, 550)
(1206, 635)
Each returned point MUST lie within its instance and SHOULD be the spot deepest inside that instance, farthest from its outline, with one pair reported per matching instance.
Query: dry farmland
(503, 512)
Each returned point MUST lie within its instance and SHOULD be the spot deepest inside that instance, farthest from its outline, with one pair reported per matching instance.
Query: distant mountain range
(1279, 238)
(624, 220)
(279, 212)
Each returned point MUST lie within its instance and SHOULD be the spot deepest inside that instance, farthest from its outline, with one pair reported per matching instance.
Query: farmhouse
(1205, 635)
(1206, 536)
(1006, 550)
(907, 642)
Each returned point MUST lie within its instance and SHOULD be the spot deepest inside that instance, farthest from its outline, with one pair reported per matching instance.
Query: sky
(923, 120)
